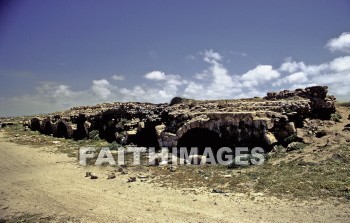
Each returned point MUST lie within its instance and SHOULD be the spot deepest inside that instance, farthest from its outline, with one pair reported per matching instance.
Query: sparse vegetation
(344, 104)
(288, 178)
(336, 117)
(296, 146)
(114, 146)
(299, 171)
(94, 135)
(291, 138)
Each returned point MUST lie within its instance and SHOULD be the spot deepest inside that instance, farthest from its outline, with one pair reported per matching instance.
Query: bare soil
(40, 185)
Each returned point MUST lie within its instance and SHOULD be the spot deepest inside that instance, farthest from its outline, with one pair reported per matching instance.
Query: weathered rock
(346, 127)
(270, 139)
(93, 176)
(245, 122)
(131, 179)
(218, 191)
(111, 176)
(290, 127)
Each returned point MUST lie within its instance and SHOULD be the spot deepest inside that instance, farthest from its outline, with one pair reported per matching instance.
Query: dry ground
(40, 183)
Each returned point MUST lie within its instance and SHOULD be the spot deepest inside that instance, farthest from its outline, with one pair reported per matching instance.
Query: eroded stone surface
(245, 122)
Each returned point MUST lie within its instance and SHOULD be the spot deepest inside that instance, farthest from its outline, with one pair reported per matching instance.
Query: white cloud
(299, 77)
(242, 54)
(210, 56)
(190, 57)
(295, 78)
(259, 75)
(341, 43)
(340, 64)
(291, 66)
(101, 88)
(118, 77)
(155, 75)
(201, 76)
(194, 90)
(218, 82)
(335, 74)
(214, 82)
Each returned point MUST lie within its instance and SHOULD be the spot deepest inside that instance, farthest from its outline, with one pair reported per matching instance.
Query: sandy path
(38, 181)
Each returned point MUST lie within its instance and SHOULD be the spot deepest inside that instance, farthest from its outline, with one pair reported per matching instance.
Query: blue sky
(58, 54)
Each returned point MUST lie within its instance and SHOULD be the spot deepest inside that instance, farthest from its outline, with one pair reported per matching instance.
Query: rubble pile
(250, 122)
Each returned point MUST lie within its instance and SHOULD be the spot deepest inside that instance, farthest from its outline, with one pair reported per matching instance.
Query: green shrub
(296, 146)
(94, 135)
(114, 146)
(291, 138)
(336, 117)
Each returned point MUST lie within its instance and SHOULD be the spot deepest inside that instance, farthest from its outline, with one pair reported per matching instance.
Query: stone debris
(143, 177)
(269, 120)
(346, 127)
(218, 191)
(131, 179)
(93, 176)
(120, 169)
(88, 174)
(111, 176)
(227, 176)
(172, 168)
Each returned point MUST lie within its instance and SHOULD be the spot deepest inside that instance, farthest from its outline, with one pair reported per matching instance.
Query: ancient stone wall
(267, 120)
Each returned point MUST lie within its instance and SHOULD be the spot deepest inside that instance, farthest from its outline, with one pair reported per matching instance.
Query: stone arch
(63, 129)
(35, 124)
(46, 126)
(200, 138)
(217, 123)
(82, 131)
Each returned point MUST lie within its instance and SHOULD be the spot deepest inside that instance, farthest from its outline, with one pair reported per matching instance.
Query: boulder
(270, 138)
(290, 127)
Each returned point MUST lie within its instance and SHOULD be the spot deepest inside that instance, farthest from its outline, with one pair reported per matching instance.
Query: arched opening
(81, 131)
(48, 130)
(200, 138)
(35, 124)
(63, 130)
(231, 136)
(147, 136)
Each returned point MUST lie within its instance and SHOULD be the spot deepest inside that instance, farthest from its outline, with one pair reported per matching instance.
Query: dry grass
(317, 171)
(292, 179)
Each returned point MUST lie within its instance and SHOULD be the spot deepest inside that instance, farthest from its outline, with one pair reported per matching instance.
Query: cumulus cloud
(335, 74)
(211, 57)
(155, 75)
(291, 66)
(101, 88)
(259, 75)
(118, 77)
(340, 64)
(219, 83)
(215, 81)
(295, 79)
(193, 89)
(341, 43)
(201, 76)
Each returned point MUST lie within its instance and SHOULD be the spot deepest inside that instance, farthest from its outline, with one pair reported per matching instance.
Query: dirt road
(51, 186)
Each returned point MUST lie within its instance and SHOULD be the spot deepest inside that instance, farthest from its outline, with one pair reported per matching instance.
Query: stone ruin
(262, 122)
